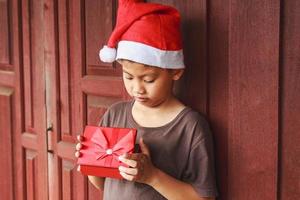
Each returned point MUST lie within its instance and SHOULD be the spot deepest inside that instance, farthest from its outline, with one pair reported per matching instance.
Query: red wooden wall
(243, 72)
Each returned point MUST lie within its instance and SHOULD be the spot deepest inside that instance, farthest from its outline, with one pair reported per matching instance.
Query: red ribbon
(102, 149)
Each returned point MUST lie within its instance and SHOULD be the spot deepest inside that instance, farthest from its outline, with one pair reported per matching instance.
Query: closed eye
(128, 78)
(149, 81)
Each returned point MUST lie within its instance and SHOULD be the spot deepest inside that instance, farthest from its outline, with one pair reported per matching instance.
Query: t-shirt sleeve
(200, 169)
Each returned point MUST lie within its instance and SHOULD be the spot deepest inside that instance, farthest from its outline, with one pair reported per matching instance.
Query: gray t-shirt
(182, 148)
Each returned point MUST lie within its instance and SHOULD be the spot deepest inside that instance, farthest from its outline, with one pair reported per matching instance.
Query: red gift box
(101, 148)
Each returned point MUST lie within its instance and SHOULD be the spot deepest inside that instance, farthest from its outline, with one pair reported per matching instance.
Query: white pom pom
(108, 54)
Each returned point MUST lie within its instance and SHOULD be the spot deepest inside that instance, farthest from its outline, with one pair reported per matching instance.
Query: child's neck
(159, 115)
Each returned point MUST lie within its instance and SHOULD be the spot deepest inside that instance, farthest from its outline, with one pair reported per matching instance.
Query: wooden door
(23, 113)
(79, 86)
(52, 84)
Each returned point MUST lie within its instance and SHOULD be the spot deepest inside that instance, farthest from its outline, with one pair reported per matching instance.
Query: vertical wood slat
(64, 66)
(98, 29)
(289, 168)
(27, 62)
(38, 89)
(253, 99)
(77, 61)
(218, 69)
(5, 25)
(194, 20)
(6, 145)
(38, 60)
(31, 178)
(18, 112)
(33, 85)
(67, 178)
(52, 97)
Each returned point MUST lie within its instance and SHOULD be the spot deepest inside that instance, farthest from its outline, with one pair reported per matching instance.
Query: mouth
(140, 99)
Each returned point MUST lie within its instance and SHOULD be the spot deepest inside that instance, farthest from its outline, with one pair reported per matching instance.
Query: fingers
(131, 174)
(77, 154)
(130, 171)
(78, 146)
(128, 161)
(127, 176)
(80, 138)
(138, 164)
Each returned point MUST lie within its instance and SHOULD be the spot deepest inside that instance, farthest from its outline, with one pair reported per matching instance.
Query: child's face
(148, 85)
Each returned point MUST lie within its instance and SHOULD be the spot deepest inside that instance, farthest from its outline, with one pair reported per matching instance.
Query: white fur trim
(108, 54)
(149, 55)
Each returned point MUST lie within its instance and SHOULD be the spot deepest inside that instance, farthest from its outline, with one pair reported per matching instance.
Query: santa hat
(146, 33)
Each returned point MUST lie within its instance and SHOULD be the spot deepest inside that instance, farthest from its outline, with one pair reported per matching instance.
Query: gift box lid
(103, 145)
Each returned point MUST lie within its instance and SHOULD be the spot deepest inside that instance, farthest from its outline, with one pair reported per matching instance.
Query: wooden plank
(6, 145)
(194, 25)
(289, 185)
(34, 91)
(78, 101)
(64, 67)
(102, 85)
(218, 107)
(53, 58)
(27, 63)
(97, 31)
(31, 175)
(253, 99)
(5, 24)
(67, 179)
(19, 173)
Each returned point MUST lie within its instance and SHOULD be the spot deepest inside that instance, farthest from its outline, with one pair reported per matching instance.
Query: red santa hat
(146, 33)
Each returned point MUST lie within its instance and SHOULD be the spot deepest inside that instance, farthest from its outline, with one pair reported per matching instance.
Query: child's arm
(98, 182)
(142, 170)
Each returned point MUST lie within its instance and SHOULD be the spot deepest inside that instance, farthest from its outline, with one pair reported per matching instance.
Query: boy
(176, 159)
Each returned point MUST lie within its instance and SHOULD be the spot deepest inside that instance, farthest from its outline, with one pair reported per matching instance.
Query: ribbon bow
(101, 145)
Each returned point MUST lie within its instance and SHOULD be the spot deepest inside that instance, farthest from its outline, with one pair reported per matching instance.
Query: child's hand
(78, 147)
(140, 167)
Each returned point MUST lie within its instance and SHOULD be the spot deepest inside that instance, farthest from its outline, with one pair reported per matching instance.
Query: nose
(138, 88)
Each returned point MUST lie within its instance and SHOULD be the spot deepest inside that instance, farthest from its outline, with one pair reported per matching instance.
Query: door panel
(33, 139)
(22, 103)
(7, 100)
(6, 145)
(5, 56)
(79, 87)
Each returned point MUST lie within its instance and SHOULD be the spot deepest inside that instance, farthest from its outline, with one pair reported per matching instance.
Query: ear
(177, 73)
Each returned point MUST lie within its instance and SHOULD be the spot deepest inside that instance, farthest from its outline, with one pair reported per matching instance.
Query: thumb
(144, 147)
